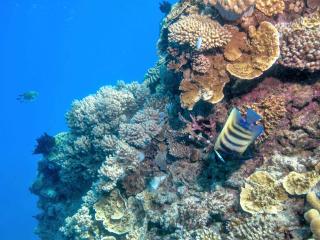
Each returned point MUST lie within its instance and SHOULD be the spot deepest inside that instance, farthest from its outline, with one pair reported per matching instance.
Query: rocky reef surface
(138, 161)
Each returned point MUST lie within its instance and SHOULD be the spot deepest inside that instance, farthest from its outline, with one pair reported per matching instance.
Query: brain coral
(300, 183)
(112, 210)
(270, 7)
(264, 51)
(262, 194)
(188, 30)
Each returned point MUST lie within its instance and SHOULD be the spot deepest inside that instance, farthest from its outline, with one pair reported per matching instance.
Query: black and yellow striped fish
(238, 132)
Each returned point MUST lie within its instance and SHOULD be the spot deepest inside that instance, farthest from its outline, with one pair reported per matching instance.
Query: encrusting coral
(262, 194)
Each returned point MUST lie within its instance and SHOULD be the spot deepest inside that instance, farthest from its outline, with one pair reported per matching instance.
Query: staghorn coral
(264, 51)
(270, 7)
(300, 183)
(188, 29)
(262, 194)
(208, 87)
(113, 211)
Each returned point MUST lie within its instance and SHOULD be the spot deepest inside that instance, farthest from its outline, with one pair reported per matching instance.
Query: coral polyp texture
(140, 160)
(193, 29)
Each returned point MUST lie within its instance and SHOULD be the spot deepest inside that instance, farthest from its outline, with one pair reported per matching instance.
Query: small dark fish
(238, 133)
(165, 7)
(29, 96)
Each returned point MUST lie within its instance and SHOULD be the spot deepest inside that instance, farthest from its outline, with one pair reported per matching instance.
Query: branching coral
(188, 30)
(264, 51)
(262, 194)
(208, 86)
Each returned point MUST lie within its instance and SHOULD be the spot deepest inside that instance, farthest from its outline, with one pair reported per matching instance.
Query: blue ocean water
(65, 50)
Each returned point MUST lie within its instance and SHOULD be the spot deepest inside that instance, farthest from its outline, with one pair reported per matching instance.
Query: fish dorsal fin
(252, 116)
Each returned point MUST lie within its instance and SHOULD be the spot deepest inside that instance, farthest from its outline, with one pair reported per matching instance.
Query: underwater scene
(219, 141)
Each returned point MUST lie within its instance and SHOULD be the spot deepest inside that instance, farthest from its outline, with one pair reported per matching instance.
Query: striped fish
(238, 133)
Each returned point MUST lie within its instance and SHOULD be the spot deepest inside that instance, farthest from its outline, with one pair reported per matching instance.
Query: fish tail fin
(252, 116)
(257, 130)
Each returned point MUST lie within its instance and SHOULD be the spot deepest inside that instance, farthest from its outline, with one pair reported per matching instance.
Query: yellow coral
(311, 22)
(264, 51)
(189, 29)
(270, 7)
(113, 212)
(208, 86)
(262, 194)
(313, 200)
(300, 183)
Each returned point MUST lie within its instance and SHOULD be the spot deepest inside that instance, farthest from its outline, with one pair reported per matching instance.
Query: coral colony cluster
(140, 160)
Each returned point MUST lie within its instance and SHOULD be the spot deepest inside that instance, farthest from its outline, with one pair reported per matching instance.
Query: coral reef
(139, 161)
(262, 194)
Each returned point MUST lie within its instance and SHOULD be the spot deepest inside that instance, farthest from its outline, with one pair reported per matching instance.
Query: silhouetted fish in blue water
(238, 133)
(29, 96)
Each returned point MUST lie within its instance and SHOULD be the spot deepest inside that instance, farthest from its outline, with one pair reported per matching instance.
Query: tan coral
(233, 6)
(189, 29)
(208, 86)
(264, 51)
(300, 183)
(270, 7)
(313, 200)
(312, 216)
(262, 194)
(237, 44)
(112, 210)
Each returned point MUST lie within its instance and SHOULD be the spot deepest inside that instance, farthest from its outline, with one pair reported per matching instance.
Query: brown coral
(208, 87)
(264, 51)
(237, 44)
(189, 29)
(262, 194)
(270, 7)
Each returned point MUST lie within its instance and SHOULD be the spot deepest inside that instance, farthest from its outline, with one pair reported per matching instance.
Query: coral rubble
(139, 160)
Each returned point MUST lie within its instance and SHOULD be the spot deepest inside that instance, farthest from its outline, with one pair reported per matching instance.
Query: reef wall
(139, 162)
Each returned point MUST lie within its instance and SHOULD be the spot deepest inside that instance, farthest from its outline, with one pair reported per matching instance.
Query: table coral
(113, 211)
(208, 87)
(188, 29)
(264, 51)
(300, 183)
(270, 7)
(262, 194)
